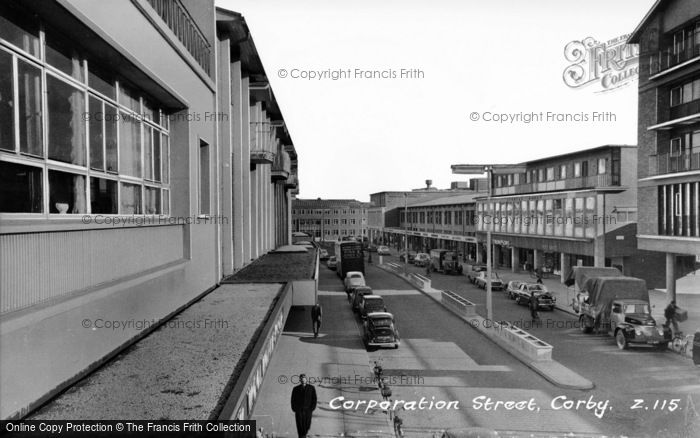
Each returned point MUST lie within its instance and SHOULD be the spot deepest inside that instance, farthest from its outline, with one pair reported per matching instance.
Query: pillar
(479, 256)
(537, 258)
(226, 162)
(565, 262)
(246, 204)
(671, 276)
(514, 259)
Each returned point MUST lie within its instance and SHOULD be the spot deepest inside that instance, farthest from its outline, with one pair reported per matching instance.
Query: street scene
(440, 219)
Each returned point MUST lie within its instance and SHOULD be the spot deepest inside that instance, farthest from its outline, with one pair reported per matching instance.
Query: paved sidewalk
(335, 363)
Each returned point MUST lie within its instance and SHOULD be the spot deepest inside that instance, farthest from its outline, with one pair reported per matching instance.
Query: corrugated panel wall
(38, 267)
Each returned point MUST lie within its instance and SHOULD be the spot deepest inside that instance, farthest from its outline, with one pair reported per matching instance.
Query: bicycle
(680, 342)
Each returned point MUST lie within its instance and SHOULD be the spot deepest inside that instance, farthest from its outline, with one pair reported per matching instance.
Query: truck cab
(631, 323)
(445, 261)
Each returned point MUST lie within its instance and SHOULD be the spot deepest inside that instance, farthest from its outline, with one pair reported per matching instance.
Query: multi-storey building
(330, 219)
(669, 135)
(384, 212)
(446, 222)
(142, 158)
(573, 209)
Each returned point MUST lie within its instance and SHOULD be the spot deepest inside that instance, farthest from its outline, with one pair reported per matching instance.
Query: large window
(74, 139)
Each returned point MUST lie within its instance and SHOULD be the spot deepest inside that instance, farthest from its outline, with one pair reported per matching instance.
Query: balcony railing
(683, 110)
(672, 55)
(673, 163)
(183, 26)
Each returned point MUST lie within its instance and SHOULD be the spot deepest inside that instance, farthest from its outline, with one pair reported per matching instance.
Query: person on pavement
(316, 318)
(670, 315)
(533, 306)
(303, 405)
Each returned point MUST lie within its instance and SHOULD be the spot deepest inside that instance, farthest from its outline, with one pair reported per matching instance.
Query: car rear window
(384, 331)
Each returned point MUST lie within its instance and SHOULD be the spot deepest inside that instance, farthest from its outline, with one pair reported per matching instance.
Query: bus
(350, 257)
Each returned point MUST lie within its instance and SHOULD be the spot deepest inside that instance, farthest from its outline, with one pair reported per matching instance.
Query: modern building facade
(142, 159)
(573, 209)
(447, 223)
(330, 219)
(669, 135)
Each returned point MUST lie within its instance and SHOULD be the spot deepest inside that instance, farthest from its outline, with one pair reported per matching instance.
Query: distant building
(572, 209)
(669, 135)
(330, 219)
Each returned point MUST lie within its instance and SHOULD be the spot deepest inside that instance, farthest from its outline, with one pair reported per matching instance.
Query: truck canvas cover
(580, 274)
(604, 290)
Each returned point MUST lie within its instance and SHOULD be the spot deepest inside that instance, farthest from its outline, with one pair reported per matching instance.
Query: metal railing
(672, 54)
(671, 163)
(175, 15)
(583, 182)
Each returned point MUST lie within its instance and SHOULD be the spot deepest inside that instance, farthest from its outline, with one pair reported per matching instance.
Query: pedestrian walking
(303, 405)
(670, 315)
(316, 318)
(534, 304)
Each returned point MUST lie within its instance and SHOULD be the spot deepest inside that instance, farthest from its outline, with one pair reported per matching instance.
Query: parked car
(323, 254)
(356, 296)
(411, 256)
(354, 279)
(379, 330)
(383, 250)
(544, 297)
(332, 263)
(496, 282)
(512, 288)
(421, 259)
(370, 304)
(473, 272)
(372, 248)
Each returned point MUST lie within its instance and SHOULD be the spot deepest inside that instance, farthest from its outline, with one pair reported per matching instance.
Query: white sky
(360, 136)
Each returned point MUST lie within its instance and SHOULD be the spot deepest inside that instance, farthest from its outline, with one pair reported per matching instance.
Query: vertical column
(565, 265)
(599, 242)
(671, 276)
(537, 258)
(288, 196)
(226, 170)
(496, 255)
(479, 255)
(245, 168)
(515, 259)
(237, 163)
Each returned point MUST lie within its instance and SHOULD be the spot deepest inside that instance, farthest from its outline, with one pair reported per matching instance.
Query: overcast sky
(474, 59)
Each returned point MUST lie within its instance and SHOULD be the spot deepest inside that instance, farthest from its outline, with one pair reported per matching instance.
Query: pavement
(336, 363)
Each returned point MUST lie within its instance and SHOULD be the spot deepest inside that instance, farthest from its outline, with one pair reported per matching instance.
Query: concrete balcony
(282, 166)
(261, 157)
(669, 56)
(673, 163)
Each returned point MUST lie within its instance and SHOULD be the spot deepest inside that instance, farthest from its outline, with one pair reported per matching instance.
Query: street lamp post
(405, 232)
(489, 170)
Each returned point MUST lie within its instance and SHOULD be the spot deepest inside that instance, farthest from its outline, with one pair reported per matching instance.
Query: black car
(379, 330)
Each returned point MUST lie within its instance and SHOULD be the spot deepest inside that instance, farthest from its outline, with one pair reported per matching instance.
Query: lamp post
(489, 170)
(405, 232)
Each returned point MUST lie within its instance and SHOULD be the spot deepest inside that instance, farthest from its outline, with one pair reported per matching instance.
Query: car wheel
(551, 308)
(396, 346)
(620, 340)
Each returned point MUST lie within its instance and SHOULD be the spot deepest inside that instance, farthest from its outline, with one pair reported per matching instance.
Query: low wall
(245, 392)
(523, 342)
(458, 304)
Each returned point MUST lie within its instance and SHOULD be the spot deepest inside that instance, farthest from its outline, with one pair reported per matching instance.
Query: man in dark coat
(303, 405)
(316, 318)
(534, 305)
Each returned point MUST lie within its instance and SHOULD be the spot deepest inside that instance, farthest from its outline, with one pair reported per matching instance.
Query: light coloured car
(332, 263)
(421, 259)
(512, 288)
(383, 250)
(354, 279)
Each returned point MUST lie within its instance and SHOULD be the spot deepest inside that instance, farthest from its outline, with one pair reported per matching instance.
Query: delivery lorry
(445, 261)
(609, 302)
